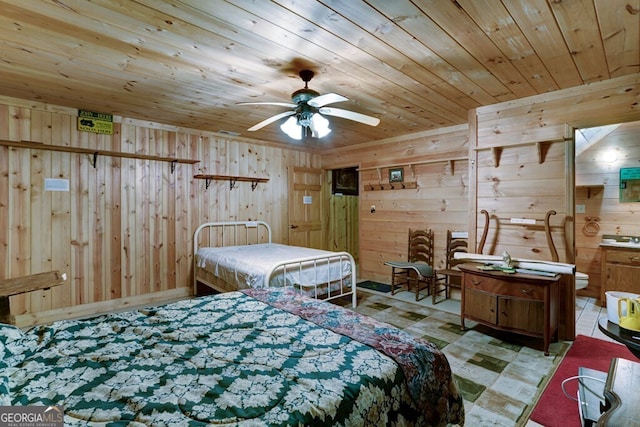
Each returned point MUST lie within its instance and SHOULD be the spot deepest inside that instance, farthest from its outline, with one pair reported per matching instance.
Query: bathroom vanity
(620, 265)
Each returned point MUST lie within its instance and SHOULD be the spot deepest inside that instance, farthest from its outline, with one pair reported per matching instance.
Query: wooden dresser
(521, 303)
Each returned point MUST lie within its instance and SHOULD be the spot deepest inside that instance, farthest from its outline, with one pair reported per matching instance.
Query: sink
(627, 244)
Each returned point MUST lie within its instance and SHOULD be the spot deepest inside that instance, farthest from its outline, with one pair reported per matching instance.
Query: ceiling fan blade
(270, 120)
(351, 115)
(280, 104)
(328, 98)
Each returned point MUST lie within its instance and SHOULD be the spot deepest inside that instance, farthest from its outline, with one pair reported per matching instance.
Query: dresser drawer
(517, 289)
(623, 257)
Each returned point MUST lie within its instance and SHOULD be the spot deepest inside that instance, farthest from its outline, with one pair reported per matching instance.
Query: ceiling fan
(308, 110)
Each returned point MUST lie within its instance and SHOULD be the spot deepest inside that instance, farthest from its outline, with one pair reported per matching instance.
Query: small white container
(612, 304)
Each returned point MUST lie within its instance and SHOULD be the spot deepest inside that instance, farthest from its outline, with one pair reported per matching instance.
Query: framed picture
(396, 175)
(344, 181)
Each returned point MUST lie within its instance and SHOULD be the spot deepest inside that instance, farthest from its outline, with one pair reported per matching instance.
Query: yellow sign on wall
(89, 121)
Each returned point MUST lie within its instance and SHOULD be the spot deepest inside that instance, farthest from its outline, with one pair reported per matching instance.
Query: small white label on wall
(307, 200)
(56, 184)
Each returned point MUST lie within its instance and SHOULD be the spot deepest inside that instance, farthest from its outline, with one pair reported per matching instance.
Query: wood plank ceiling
(415, 64)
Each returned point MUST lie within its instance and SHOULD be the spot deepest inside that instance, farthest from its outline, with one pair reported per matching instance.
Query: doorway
(343, 216)
(600, 153)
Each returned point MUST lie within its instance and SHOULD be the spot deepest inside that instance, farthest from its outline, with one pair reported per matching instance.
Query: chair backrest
(420, 246)
(456, 243)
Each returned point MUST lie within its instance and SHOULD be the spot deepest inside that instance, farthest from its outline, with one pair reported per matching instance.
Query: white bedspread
(248, 265)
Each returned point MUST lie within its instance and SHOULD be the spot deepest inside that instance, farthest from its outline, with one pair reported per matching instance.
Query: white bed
(235, 255)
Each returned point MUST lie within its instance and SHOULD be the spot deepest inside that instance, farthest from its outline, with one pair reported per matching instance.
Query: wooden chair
(450, 276)
(418, 271)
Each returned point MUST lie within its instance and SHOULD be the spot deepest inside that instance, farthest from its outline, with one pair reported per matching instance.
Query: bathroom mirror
(630, 185)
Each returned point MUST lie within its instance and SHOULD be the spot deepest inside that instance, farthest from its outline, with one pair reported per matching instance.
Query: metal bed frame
(240, 233)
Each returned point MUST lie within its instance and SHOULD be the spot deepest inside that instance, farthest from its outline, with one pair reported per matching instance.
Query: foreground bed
(258, 357)
(235, 255)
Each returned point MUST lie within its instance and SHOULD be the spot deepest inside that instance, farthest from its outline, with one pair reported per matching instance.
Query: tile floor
(587, 314)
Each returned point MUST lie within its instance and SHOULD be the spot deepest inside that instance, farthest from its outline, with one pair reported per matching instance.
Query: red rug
(554, 408)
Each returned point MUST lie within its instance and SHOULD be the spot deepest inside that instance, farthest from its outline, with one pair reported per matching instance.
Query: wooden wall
(597, 188)
(123, 233)
(436, 162)
(520, 165)
(524, 155)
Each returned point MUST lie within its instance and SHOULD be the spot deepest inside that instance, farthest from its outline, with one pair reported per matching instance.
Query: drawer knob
(526, 291)
(475, 282)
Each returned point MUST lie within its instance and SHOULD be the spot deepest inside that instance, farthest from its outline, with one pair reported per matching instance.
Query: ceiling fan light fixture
(304, 118)
(292, 128)
(319, 126)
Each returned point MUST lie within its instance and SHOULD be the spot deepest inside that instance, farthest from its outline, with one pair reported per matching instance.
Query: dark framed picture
(344, 181)
(396, 175)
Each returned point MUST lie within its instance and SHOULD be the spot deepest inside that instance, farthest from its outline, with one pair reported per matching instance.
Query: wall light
(610, 156)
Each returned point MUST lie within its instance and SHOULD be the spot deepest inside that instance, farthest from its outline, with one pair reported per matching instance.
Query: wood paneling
(522, 187)
(123, 232)
(125, 228)
(417, 65)
(440, 200)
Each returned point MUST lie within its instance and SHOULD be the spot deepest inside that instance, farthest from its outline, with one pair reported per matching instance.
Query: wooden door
(522, 314)
(305, 207)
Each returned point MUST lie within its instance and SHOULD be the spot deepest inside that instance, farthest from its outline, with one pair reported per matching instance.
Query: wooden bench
(20, 285)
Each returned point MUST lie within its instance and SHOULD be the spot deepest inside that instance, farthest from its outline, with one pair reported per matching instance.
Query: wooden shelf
(94, 153)
(592, 189)
(542, 147)
(232, 180)
(411, 165)
(391, 186)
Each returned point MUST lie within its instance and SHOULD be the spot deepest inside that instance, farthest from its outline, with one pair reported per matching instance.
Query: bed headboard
(231, 233)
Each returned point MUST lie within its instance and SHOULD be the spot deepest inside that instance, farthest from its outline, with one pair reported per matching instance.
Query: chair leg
(393, 280)
(434, 291)
(428, 281)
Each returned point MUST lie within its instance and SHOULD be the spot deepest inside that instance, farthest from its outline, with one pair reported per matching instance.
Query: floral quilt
(233, 359)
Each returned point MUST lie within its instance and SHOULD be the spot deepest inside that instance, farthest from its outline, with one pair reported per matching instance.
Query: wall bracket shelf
(450, 161)
(592, 190)
(94, 153)
(232, 180)
(391, 186)
(542, 147)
